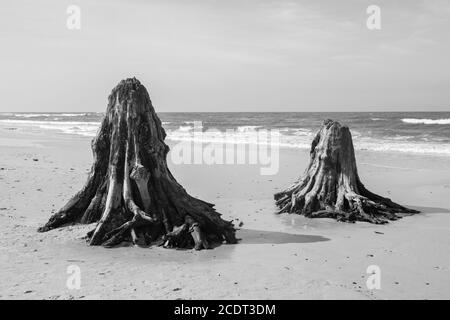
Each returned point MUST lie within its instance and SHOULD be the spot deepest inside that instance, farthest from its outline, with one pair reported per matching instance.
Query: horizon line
(283, 111)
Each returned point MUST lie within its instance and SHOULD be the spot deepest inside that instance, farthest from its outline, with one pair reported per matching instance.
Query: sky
(228, 55)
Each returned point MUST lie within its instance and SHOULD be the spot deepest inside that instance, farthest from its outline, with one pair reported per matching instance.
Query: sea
(406, 132)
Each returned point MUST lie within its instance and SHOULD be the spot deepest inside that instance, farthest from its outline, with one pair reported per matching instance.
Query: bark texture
(130, 191)
(330, 186)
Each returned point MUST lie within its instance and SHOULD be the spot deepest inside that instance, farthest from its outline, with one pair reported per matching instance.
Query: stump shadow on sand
(248, 236)
(430, 209)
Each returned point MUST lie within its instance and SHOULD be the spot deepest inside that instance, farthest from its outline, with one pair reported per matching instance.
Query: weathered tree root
(130, 191)
(330, 186)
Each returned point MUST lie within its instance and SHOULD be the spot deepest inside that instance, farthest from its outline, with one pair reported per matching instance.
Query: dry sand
(279, 257)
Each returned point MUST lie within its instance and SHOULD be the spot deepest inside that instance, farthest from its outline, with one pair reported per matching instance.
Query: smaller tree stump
(330, 186)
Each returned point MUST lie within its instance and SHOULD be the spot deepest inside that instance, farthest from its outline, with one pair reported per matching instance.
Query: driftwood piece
(130, 191)
(330, 186)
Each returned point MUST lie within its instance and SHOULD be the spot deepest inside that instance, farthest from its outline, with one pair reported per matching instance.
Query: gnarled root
(186, 234)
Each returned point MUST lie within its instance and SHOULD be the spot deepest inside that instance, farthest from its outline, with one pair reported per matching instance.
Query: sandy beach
(279, 257)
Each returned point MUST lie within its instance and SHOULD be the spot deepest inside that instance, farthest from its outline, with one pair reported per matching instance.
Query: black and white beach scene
(225, 150)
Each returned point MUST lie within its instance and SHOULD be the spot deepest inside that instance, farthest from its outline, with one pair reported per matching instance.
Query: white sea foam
(31, 115)
(426, 121)
(72, 114)
(303, 141)
(297, 131)
(40, 115)
(247, 128)
(70, 127)
(391, 145)
(286, 137)
(185, 128)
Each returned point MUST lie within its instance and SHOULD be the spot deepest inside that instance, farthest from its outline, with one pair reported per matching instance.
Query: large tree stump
(330, 186)
(130, 190)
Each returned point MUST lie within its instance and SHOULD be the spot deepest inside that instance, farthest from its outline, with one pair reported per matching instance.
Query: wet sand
(279, 257)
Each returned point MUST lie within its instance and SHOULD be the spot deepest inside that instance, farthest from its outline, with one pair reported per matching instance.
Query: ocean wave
(47, 122)
(43, 115)
(88, 129)
(297, 131)
(31, 115)
(237, 137)
(248, 128)
(281, 140)
(426, 121)
(185, 128)
(72, 114)
(297, 138)
(192, 124)
(388, 145)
